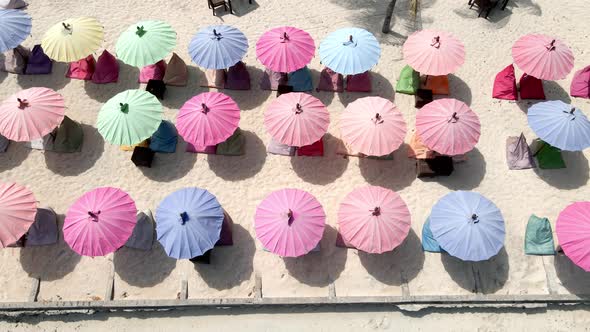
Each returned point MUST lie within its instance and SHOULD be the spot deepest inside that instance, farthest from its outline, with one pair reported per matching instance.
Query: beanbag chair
(422, 97)
(142, 237)
(580, 86)
(408, 82)
(330, 81)
(300, 80)
(43, 231)
(271, 80)
(142, 157)
(438, 84)
(39, 63)
(313, 150)
(518, 154)
(233, 146)
(548, 157)
(157, 88)
(505, 84)
(238, 77)
(538, 239)
(176, 72)
(144, 144)
(282, 89)
(13, 4)
(15, 60)
(211, 149)
(437, 166)
(225, 236)
(106, 69)
(275, 147)
(4, 142)
(531, 87)
(417, 149)
(152, 72)
(359, 82)
(203, 259)
(69, 137)
(165, 138)
(82, 69)
(429, 243)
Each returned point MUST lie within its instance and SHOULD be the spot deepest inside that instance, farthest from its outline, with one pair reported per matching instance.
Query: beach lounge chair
(203, 259)
(214, 4)
(142, 157)
(211, 149)
(531, 87)
(4, 143)
(417, 149)
(106, 70)
(214, 78)
(422, 98)
(39, 63)
(580, 86)
(485, 6)
(142, 237)
(505, 84)
(548, 157)
(153, 72)
(176, 72)
(313, 150)
(238, 77)
(69, 137)
(518, 153)
(82, 69)
(277, 148)
(439, 85)
(233, 146)
(429, 243)
(157, 88)
(226, 236)
(359, 82)
(271, 80)
(437, 166)
(330, 81)
(165, 138)
(300, 80)
(13, 4)
(408, 82)
(44, 230)
(15, 60)
(538, 239)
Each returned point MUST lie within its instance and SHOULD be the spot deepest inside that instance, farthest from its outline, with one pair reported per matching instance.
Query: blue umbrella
(15, 27)
(350, 51)
(560, 125)
(467, 226)
(218, 47)
(188, 222)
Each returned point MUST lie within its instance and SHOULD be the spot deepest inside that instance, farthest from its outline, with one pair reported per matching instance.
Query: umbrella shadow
(459, 89)
(575, 175)
(396, 267)
(71, 164)
(380, 86)
(171, 166)
(16, 153)
(484, 277)
(236, 168)
(322, 170)
(249, 100)
(50, 262)
(230, 265)
(572, 277)
(3, 74)
(56, 80)
(319, 269)
(467, 175)
(128, 79)
(143, 268)
(176, 96)
(394, 174)
(243, 7)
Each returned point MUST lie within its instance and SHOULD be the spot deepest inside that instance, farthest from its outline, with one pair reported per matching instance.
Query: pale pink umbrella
(374, 219)
(100, 222)
(448, 126)
(208, 119)
(285, 49)
(31, 114)
(543, 57)
(18, 208)
(372, 126)
(289, 222)
(297, 119)
(432, 52)
(573, 233)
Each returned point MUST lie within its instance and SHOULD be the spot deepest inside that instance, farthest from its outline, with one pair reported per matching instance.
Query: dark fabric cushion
(284, 89)
(225, 236)
(313, 150)
(505, 84)
(156, 87)
(437, 166)
(531, 87)
(330, 81)
(203, 259)
(142, 157)
(422, 97)
(359, 82)
(39, 63)
(238, 77)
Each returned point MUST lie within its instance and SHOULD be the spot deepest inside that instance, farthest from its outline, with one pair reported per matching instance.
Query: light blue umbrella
(188, 222)
(350, 51)
(468, 226)
(218, 47)
(15, 27)
(560, 125)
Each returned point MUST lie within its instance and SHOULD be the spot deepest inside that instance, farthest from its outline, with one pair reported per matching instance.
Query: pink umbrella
(208, 119)
(285, 49)
(100, 222)
(31, 114)
(18, 208)
(573, 233)
(374, 219)
(543, 57)
(448, 126)
(372, 126)
(289, 222)
(297, 119)
(432, 52)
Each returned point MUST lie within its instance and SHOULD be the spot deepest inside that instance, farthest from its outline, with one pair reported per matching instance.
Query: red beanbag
(505, 84)
(314, 150)
(531, 87)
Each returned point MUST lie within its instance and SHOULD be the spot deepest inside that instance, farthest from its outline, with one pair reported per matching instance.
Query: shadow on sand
(485, 277)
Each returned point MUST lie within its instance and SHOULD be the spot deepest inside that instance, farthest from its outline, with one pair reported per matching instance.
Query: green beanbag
(538, 239)
(69, 137)
(233, 146)
(548, 157)
(409, 81)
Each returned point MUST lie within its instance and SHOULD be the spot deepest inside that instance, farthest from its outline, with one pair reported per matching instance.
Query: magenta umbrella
(543, 57)
(285, 49)
(18, 208)
(573, 233)
(374, 219)
(432, 52)
(100, 222)
(289, 222)
(208, 119)
(448, 126)
(297, 119)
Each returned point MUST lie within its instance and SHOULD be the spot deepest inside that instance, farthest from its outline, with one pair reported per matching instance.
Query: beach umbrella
(296, 119)
(15, 27)
(467, 226)
(208, 119)
(218, 47)
(374, 219)
(188, 222)
(289, 222)
(560, 125)
(372, 126)
(145, 43)
(100, 222)
(573, 233)
(350, 51)
(73, 39)
(285, 49)
(448, 126)
(129, 117)
(18, 208)
(543, 57)
(432, 52)
(31, 114)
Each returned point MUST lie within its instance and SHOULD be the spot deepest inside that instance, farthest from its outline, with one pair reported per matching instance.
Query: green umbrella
(145, 43)
(130, 117)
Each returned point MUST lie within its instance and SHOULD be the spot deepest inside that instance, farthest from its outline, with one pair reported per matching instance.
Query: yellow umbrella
(73, 39)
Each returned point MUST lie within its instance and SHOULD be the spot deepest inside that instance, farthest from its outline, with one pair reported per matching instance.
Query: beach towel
(437, 166)
(43, 143)
(238, 77)
(417, 149)
(214, 78)
(157, 88)
(505, 84)
(142, 157)
(518, 153)
(106, 69)
(438, 84)
(13, 4)
(39, 63)
(277, 148)
(176, 72)
(165, 138)
(15, 60)
(330, 81)
(548, 157)
(142, 237)
(300, 80)
(144, 144)
(69, 137)
(233, 146)
(315, 149)
(211, 149)
(359, 82)
(408, 82)
(429, 243)
(580, 86)
(531, 87)
(225, 236)
(44, 230)
(4, 143)
(422, 98)
(271, 80)
(538, 239)
(153, 72)
(82, 69)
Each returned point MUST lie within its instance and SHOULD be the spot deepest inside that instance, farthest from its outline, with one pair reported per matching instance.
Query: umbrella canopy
(432, 52)
(188, 222)
(372, 126)
(573, 233)
(543, 57)
(374, 219)
(467, 226)
(561, 125)
(289, 222)
(18, 208)
(100, 222)
(448, 126)
(130, 117)
(208, 119)
(218, 47)
(145, 43)
(31, 114)
(297, 119)
(350, 51)
(285, 49)
(15, 27)
(73, 39)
